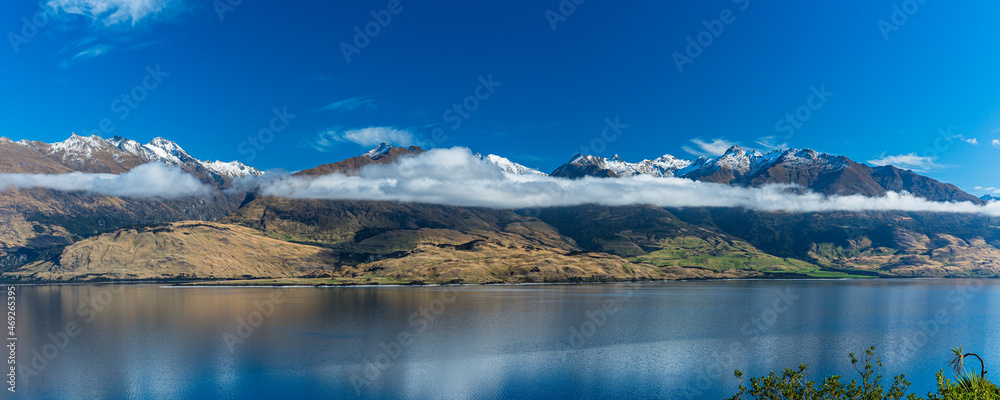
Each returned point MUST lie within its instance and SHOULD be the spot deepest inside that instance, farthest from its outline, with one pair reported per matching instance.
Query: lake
(644, 340)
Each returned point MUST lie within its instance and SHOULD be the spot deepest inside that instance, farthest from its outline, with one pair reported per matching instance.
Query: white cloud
(349, 104)
(907, 161)
(368, 137)
(996, 142)
(87, 54)
(771, 143)
(972, 141)
(457, 177)
(114, 12)
(148, 180)
(716, 147)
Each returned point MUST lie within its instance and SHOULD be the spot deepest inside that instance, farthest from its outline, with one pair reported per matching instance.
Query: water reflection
(666, 340)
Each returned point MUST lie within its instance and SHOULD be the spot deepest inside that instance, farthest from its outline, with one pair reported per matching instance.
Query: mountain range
(238, 233)
(819, 172)
(116, 155)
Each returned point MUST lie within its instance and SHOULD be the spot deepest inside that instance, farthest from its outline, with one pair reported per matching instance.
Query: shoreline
(242, 283)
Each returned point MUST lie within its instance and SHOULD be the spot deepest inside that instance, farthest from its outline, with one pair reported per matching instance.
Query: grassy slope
(195, 250)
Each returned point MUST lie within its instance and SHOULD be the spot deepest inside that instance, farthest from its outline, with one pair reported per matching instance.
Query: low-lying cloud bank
(456, 177)
(147, 180)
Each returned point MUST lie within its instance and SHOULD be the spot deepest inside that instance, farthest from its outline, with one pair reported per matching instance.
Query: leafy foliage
(794, 384)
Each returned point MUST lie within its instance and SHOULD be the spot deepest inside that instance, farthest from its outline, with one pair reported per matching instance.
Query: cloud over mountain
(716, 147)
(457, 177)
(371, 136)
(147, 180)
(910, 161)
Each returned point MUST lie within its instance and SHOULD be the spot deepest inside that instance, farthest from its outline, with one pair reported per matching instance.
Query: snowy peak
(78, 144)
(582, 160)
(118, 154)
(378, 151)
(79, 151)
(739, 161)
(509, 166)
(131, 147)
(231, 169)
(170, 151)
(735, 151)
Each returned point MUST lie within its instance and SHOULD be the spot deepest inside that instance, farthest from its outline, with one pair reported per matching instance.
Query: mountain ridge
(94, 154)
(72, 236)
(821, 172)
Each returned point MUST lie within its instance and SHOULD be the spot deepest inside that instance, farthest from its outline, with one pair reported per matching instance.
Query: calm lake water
(654, 340)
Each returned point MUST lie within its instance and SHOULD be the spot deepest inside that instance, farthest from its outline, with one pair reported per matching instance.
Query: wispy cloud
(716, 147)
(972, 141)
(349, 104)
(995, 142)
(908, 161)
(772, 143)
(87, 54)
(373, 136)
(457, 177)
(148, 180)
(111, 13)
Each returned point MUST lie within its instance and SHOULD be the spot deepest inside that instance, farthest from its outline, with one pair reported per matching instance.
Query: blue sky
(920, 89)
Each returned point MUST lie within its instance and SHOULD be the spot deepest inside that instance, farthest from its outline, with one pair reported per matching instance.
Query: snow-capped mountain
(820, 172)
(990, 198)
(160, 149)
(736, 161)
(385, 152)
(95, 154)
(380, 150)
(508, 165)
(581, 165)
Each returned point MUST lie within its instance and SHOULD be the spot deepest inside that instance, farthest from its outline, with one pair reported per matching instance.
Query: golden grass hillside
(191, 250)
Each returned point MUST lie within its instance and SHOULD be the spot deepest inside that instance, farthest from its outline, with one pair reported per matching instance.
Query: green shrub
(794, 384)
